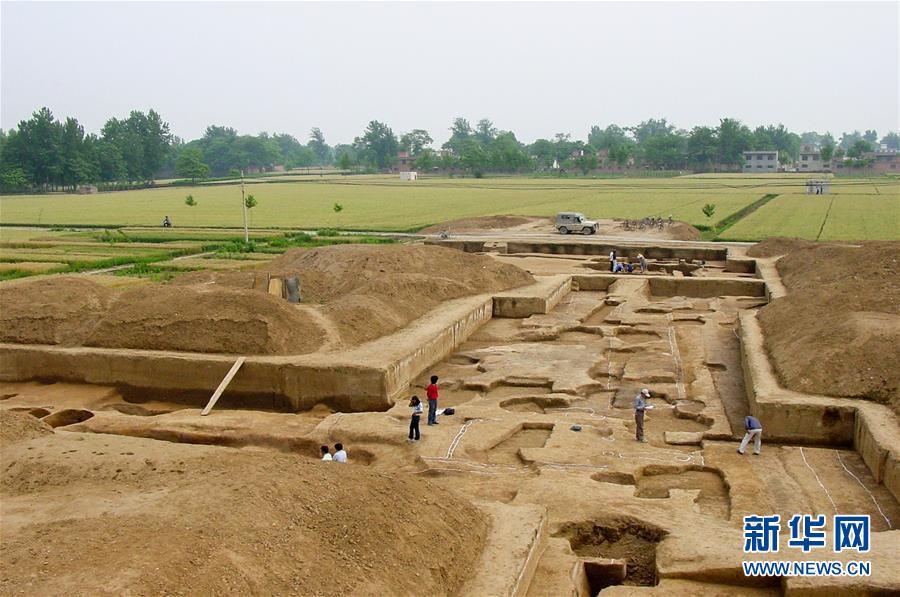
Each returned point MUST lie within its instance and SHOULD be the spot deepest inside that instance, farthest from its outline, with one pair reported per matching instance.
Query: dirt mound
(837, 330)
(20, 426)
(151, 517)
(55, 310)
(779, 245)
(484, 223)
(361, 292)
(682, 231)
(205, 318)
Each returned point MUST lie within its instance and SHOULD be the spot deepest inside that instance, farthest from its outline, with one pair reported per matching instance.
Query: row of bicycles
(647, 223)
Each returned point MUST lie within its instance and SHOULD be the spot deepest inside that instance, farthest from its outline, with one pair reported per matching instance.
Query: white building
(760, 161)
(811, 160)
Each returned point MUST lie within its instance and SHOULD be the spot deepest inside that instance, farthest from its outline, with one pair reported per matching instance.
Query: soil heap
(837, 331)
(369, 291)
(355, 292)
(148, 518)
(204, 318)
(20, 426)
(57, 310)
(779, 245)
(75, 311)
(485, 223)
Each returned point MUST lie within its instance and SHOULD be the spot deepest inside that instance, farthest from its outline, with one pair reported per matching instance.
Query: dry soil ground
(148, 497)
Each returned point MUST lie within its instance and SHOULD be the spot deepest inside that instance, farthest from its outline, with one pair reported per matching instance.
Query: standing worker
(432, 393)
(643, 261)
(754, 431)
(612, 261)
(416, 406)
(640, 405)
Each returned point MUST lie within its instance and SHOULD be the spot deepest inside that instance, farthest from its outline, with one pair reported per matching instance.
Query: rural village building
(760, 161)
(811, 160)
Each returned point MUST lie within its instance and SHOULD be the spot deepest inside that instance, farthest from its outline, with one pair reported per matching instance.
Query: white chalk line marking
(676, 357)
(534, 544)
(609, 365)
(871, 495)
(458, 437)
(833, 505)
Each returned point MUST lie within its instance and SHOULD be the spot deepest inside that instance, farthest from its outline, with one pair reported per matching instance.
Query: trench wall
(593, 248)
(792, 417)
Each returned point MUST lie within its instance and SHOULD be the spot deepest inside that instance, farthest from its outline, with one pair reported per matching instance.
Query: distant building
(884, 162)
(760, 161)
(811, 160)
(409, 175)
(404, 162)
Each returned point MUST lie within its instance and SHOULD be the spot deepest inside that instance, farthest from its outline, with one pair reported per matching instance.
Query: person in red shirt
(432, 392)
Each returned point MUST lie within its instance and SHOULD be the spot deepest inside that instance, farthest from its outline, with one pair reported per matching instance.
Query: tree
(506, 154)
(702, 147)
(250, 202)
(189, 201)
(826, 152)
(485, 131)
(35, 148)
(871, 136)
(345, 162)
(473, 157)
(651, 128)
(734, 140)
(415, 141)
(611, 136)
(708, 210)
(543, 152)
(665, 151)
(587, 161)
(379, 144)
(858, 148)
(460, 131)
(621, 154)
(191, 165)
(319, 147)
(12, 179)
(891, 141)
(425, 161)
(337, 207)
(848, 139)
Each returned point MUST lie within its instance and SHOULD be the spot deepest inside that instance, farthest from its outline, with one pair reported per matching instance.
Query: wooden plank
(223, 385)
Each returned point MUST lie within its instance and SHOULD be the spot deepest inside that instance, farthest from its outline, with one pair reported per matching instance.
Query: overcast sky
(533, 68)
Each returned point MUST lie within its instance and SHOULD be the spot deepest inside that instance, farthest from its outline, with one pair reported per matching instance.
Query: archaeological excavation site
(165, 438)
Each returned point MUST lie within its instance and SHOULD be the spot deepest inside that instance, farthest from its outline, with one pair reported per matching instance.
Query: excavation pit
(623, 539)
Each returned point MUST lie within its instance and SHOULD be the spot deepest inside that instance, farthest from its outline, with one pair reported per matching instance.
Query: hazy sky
(532, 68)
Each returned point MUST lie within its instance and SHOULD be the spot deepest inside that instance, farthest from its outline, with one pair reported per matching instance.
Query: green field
(385, 203)
(823, 217)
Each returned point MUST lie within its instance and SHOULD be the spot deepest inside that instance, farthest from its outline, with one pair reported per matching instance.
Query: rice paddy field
(840, 216)
(857, 209)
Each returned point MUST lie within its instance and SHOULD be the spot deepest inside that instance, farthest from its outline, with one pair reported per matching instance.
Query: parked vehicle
(571, 221)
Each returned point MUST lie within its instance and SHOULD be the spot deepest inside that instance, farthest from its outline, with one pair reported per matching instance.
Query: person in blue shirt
(640, 405)
(754, 432)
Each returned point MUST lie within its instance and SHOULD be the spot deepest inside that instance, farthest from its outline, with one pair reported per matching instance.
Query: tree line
(45, 153)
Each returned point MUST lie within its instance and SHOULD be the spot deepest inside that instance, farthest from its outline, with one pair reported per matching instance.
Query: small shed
(409, 175)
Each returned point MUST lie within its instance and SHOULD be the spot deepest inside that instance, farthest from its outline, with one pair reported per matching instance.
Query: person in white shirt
(340, 455)
(417, 411)
(643, 262)
(326, 454)
(612, 261)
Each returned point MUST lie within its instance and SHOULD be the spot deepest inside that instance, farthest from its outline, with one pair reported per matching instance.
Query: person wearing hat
(643, 263)
(640, 405)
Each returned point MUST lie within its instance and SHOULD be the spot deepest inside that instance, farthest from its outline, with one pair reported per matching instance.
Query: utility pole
(244, 207)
